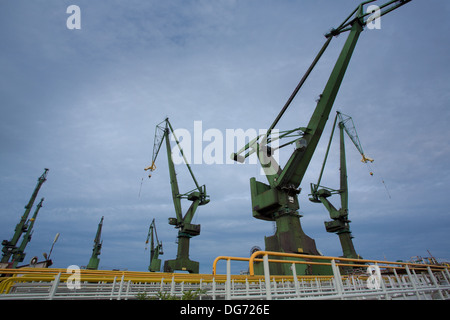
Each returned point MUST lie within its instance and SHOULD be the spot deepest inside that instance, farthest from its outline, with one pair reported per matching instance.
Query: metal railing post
(113, 288)
(413, 282)
(337, 279)
(448, 275)
(120, 287)
(213, 288)
(383, 285)
(399, 282)
(267, 276)
(294, 273)
(247, 287)
(228, 282)
(435, 283)
(128, 289)
(54, 286)
(172, 286)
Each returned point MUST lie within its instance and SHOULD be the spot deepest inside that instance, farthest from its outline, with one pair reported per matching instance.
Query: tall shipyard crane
(19, 255)
(155, 250)
(10, 247)
(198, 196)
(340, 222)
(96, 250)
(277, 201)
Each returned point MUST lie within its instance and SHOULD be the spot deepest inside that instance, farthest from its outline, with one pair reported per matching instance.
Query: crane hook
(151, 168)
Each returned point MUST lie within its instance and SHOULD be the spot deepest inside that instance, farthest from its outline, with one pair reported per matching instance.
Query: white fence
(408, 282)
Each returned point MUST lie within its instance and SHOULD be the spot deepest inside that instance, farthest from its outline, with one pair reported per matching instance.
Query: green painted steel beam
(277, 201)
(295, 169)
(19, 256)
(94, 261)
(9, 247)
(155, 250)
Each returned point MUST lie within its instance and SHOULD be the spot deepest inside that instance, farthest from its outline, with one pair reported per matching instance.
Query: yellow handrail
(416, 266)
(214, 271)
(11, 276)
(225, 258)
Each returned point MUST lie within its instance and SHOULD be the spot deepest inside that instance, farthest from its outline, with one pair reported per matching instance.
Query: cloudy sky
(84, 103)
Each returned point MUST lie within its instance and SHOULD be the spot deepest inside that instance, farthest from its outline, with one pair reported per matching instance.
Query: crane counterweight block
(173, 221)
(191, 229)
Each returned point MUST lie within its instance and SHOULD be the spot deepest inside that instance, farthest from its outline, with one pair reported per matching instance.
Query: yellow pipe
(305, 256)
(48, 274)
(240, 259)
(225, 258)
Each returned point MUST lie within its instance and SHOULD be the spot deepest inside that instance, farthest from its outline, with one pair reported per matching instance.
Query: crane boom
(19, 256)
(94, 260)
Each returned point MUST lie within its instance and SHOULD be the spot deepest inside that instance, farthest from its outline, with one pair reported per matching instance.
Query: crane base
(181, 265)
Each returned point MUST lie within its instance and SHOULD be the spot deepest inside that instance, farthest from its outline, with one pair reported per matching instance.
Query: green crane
(9, 247)
(19, 255)
(277, 201)
(198, 196)
(155, 251)
(340, 222)
(94, 261)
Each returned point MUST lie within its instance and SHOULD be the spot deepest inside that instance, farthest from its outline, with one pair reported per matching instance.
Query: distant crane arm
(346, 124)
(159, 137)
(350, 129)
(198, 196)
(19, 256)
(95, 260)
(9, 247)
(155, 251)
